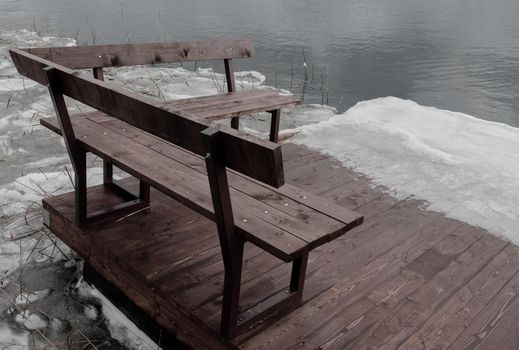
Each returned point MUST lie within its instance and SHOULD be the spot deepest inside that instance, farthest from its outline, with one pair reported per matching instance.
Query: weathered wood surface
(407, 279)
(90, 56)
(284, 232)
(233, 104)
(180, 128)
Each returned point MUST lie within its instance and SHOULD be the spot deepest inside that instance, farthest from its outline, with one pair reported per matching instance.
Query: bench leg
(274, 125)
(108, 179)
(285, 298)
(235, 123)
(297, 279)
(233, 321)
(80, 186)
(144, 192)
(231, 294)
(131, 204)
(108, 172)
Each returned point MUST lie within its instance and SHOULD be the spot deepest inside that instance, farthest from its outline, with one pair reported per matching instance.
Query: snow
(463, 166)
(91, 312)
(25, 191)
(31, 297)
(15, 84)
(30, 321)
(13, 339)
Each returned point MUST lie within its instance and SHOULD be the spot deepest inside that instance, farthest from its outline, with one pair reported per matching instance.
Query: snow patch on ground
(91, 312)
(30, 320)
(463, 166)
(31, 297)
(16, 84)
(30, 189)
(121, 328)
(13, 339)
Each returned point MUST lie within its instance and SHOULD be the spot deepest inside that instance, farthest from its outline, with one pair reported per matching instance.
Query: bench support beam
(233, 321)
(231, 87)
(274, 125)
(230, 243)
(108, 168)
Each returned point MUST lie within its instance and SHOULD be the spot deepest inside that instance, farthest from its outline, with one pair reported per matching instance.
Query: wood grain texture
(233, 104)
(90, 56)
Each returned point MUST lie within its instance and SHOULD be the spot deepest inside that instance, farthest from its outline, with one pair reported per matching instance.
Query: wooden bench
(230, 177)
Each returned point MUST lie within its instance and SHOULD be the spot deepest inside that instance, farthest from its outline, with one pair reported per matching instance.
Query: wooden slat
(79, 57)
(246, 154)
(209, 100)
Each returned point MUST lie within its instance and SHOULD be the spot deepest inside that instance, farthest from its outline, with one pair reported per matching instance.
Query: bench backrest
(97, 57)
(81, 57)
(246, 154)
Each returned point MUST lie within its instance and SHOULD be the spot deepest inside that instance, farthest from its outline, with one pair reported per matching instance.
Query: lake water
(459, 55)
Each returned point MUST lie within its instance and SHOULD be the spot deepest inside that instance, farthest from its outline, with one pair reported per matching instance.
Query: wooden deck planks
(494, 316)
(405, 279)
(451, 319)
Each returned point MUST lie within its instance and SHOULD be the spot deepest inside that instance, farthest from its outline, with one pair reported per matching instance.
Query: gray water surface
(461, 55)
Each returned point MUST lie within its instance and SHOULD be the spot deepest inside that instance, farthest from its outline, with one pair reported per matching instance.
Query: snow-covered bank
(463, 166)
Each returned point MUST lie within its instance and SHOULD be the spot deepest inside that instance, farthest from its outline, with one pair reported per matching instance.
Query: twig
(291, 75)
(77, 34)
(69, 176)
(131, 214)
(156, 85)
(92, 30)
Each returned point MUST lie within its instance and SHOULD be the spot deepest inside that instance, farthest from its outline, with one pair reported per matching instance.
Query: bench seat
(286, 222)
(232, 104)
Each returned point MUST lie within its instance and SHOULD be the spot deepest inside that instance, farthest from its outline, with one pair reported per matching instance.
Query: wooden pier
(408, 278)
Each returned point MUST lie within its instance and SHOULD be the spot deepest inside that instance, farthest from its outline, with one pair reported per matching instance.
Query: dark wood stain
(430, 263)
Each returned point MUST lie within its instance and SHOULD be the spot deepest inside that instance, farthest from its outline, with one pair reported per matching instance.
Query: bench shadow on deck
(407, 278)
